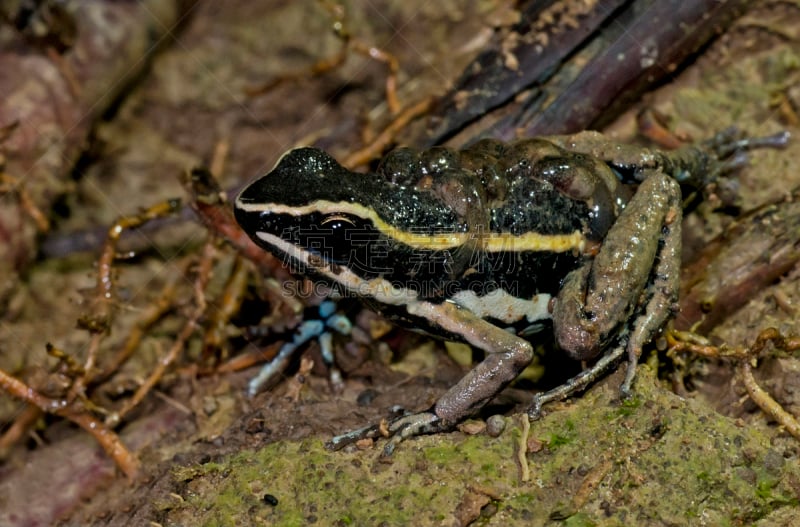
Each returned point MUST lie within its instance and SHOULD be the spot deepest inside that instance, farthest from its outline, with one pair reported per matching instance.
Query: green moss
(579, 520)
(601, 466)
(442, 454)
(565, 436)
(628, 406)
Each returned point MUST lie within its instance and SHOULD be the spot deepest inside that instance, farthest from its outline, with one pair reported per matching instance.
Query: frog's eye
(338, 230)
(336, 221)
(337, 233)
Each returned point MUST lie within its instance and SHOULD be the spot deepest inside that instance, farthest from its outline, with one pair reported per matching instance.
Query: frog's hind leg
(579, 382)
(599, 299)
(618, 301)
(695, 165)
(506, 356)
(732, 140)
(652, 316)
(700, 164)
(663, 290)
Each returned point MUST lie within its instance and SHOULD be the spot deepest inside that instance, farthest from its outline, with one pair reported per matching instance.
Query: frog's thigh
(601, 295)
(662, 300)
(506, 356)
(598, 145)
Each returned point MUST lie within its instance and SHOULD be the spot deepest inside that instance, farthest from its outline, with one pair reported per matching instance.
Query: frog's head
(348, 228)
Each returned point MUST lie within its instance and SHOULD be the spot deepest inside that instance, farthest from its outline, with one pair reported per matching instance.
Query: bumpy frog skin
(491, 244)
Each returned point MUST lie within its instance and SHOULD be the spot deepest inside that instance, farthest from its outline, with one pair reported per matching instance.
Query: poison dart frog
(494, 243)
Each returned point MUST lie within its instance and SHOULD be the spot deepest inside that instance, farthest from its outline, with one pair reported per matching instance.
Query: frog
(495, 245)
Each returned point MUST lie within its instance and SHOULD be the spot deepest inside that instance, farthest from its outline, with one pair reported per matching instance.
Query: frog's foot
(398, 429)
(579, 382)
(320, 328)
(732, 140)
(730, 147)
(704, 163)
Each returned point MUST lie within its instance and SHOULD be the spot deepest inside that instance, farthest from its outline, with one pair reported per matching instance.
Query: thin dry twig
(201, 281)
(148, 318)
(745, 359)
(386, 137)
(99, 321)
(590, 482)
(764, 400)
(220, 157)
(226, 306)
(75, 406)
(322, 66)
(299, 382)
(243, 361)
(522, 449)
(11, 184)
(22, 423)
(375, 53)
(76, 413)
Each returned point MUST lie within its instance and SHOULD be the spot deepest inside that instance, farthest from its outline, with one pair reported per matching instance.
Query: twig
(200, 283)
(393, 64)
(109, 440)
(247, 360)
(22, 423)
(743, 357)
(522, 449)
(149, 317)
(385, 138)
(765, 401)
(228, 304)
(220, 157)
(349, 42)
(11, 184)
(590, 482)
(99, 321)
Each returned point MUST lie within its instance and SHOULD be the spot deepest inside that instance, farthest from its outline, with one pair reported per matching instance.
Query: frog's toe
(397, 430)
(412, 425)
(353, 436)
(731, 145)
(732, 140)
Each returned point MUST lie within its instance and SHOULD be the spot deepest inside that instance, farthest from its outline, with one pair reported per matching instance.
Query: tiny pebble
(472, 427)
(495, 425)
(364, 444)
(534, 445)
(366, 397)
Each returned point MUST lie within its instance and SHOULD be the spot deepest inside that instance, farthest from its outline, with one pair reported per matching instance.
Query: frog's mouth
(338, 276)
(351, 252)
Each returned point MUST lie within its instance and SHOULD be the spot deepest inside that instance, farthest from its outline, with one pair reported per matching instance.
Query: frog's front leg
(506, 356)
(627, 291)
